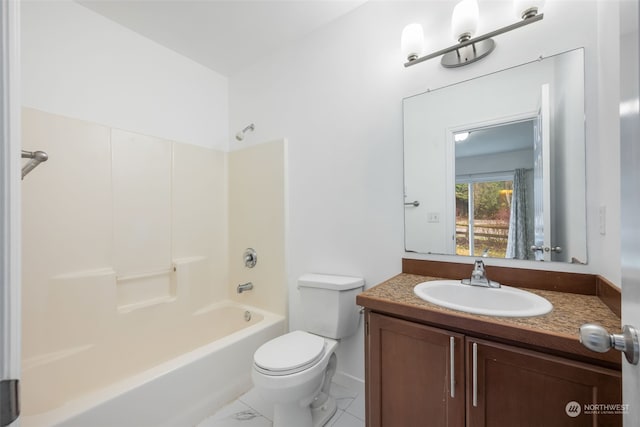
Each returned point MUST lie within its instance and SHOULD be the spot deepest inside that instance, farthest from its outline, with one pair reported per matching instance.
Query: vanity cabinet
(415, 374)
(419, 375)
(510, 386)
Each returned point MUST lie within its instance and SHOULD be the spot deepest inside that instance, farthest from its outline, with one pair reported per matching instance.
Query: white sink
(504, 301)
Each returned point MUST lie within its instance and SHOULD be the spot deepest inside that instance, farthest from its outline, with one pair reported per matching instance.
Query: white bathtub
(176, 379)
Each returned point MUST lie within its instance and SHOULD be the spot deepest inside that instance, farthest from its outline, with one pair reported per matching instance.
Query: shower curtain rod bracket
(35, 158)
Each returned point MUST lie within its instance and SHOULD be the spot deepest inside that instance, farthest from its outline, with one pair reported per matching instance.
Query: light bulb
(462, 136)
(464, 21)
(412, 41)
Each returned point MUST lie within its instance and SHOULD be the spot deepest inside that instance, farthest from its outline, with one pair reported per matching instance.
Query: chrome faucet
(479, 277)
(245, 287)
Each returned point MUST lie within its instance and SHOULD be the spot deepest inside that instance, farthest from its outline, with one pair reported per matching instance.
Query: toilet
(294, 371)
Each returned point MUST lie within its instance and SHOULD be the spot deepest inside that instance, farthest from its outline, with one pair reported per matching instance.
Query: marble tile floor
(250, 410)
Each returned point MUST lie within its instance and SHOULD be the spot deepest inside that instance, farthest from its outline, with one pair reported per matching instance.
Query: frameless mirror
(495, 166)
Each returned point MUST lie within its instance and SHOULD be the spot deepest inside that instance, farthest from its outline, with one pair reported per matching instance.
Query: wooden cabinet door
(508, 386)
(410, 368)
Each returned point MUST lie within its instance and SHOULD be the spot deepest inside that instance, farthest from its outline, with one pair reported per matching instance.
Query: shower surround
(129, 251)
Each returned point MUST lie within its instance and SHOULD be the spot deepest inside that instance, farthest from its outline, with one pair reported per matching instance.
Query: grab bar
(145, 275)
(36, 157)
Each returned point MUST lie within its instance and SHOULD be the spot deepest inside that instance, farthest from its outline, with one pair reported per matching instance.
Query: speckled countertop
(556, 331)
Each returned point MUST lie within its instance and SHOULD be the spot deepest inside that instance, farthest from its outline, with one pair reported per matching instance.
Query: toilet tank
(329, 304)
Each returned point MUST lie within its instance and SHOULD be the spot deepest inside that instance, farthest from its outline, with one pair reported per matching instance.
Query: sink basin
(504, 301)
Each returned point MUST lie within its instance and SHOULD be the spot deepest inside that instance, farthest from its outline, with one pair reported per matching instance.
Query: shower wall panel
(141, 167)
(141, 203)
(66, 223)
(121, 232)
(257, 219)
(199, 216)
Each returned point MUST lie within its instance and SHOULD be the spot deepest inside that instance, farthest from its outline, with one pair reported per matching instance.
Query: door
(415, 374)
(9, 214)
(542, 178)
(630, 202)
(509, 386)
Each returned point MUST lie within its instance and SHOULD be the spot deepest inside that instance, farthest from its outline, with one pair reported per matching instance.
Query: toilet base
(322, 414)
(291, 414)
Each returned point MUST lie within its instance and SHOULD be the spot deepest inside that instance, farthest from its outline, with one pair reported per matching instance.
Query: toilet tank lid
(330, 281)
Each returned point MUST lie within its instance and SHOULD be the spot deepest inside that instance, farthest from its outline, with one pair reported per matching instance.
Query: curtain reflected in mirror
(518, 242)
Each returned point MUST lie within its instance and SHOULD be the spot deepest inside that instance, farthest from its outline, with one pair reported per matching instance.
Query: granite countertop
(556, 331)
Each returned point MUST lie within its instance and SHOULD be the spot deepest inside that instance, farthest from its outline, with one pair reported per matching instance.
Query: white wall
(79, 64)
(337, 96)
(603, 144)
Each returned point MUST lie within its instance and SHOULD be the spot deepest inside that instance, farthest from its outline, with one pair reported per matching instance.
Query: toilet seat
(288, 354)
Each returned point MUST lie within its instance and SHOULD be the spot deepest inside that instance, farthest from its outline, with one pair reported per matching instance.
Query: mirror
(495, 166)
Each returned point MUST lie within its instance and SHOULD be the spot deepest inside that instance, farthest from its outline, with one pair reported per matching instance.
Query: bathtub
(175, 378)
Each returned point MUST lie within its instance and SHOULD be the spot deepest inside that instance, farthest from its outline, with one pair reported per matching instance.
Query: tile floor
(250, 410)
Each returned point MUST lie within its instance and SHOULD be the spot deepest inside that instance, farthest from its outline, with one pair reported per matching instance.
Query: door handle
(474, 394)
(535, 248)
(452, 366)
(597, 338)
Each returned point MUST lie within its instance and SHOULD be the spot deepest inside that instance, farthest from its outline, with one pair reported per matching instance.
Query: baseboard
(348, 381)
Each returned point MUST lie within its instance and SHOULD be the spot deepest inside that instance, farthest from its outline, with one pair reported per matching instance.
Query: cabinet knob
(597, 338)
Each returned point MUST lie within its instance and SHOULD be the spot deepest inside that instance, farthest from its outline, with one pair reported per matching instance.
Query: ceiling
(504, 138)
(223, 35)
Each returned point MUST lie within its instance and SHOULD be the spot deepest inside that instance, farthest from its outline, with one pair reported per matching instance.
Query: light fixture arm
(478, 39)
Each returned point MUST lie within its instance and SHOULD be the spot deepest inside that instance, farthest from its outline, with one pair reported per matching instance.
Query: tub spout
(245, 287)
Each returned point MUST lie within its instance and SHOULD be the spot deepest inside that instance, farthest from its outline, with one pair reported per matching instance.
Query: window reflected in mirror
(483, 209)
(489, 209)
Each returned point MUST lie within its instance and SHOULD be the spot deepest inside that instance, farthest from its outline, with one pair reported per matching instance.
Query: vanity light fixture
(464, 23)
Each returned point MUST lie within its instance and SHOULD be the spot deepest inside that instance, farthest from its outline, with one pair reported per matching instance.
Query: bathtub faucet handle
(245, 287)
(250, 258)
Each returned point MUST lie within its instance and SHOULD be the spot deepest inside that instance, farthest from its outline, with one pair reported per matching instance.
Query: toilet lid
(289, 353)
